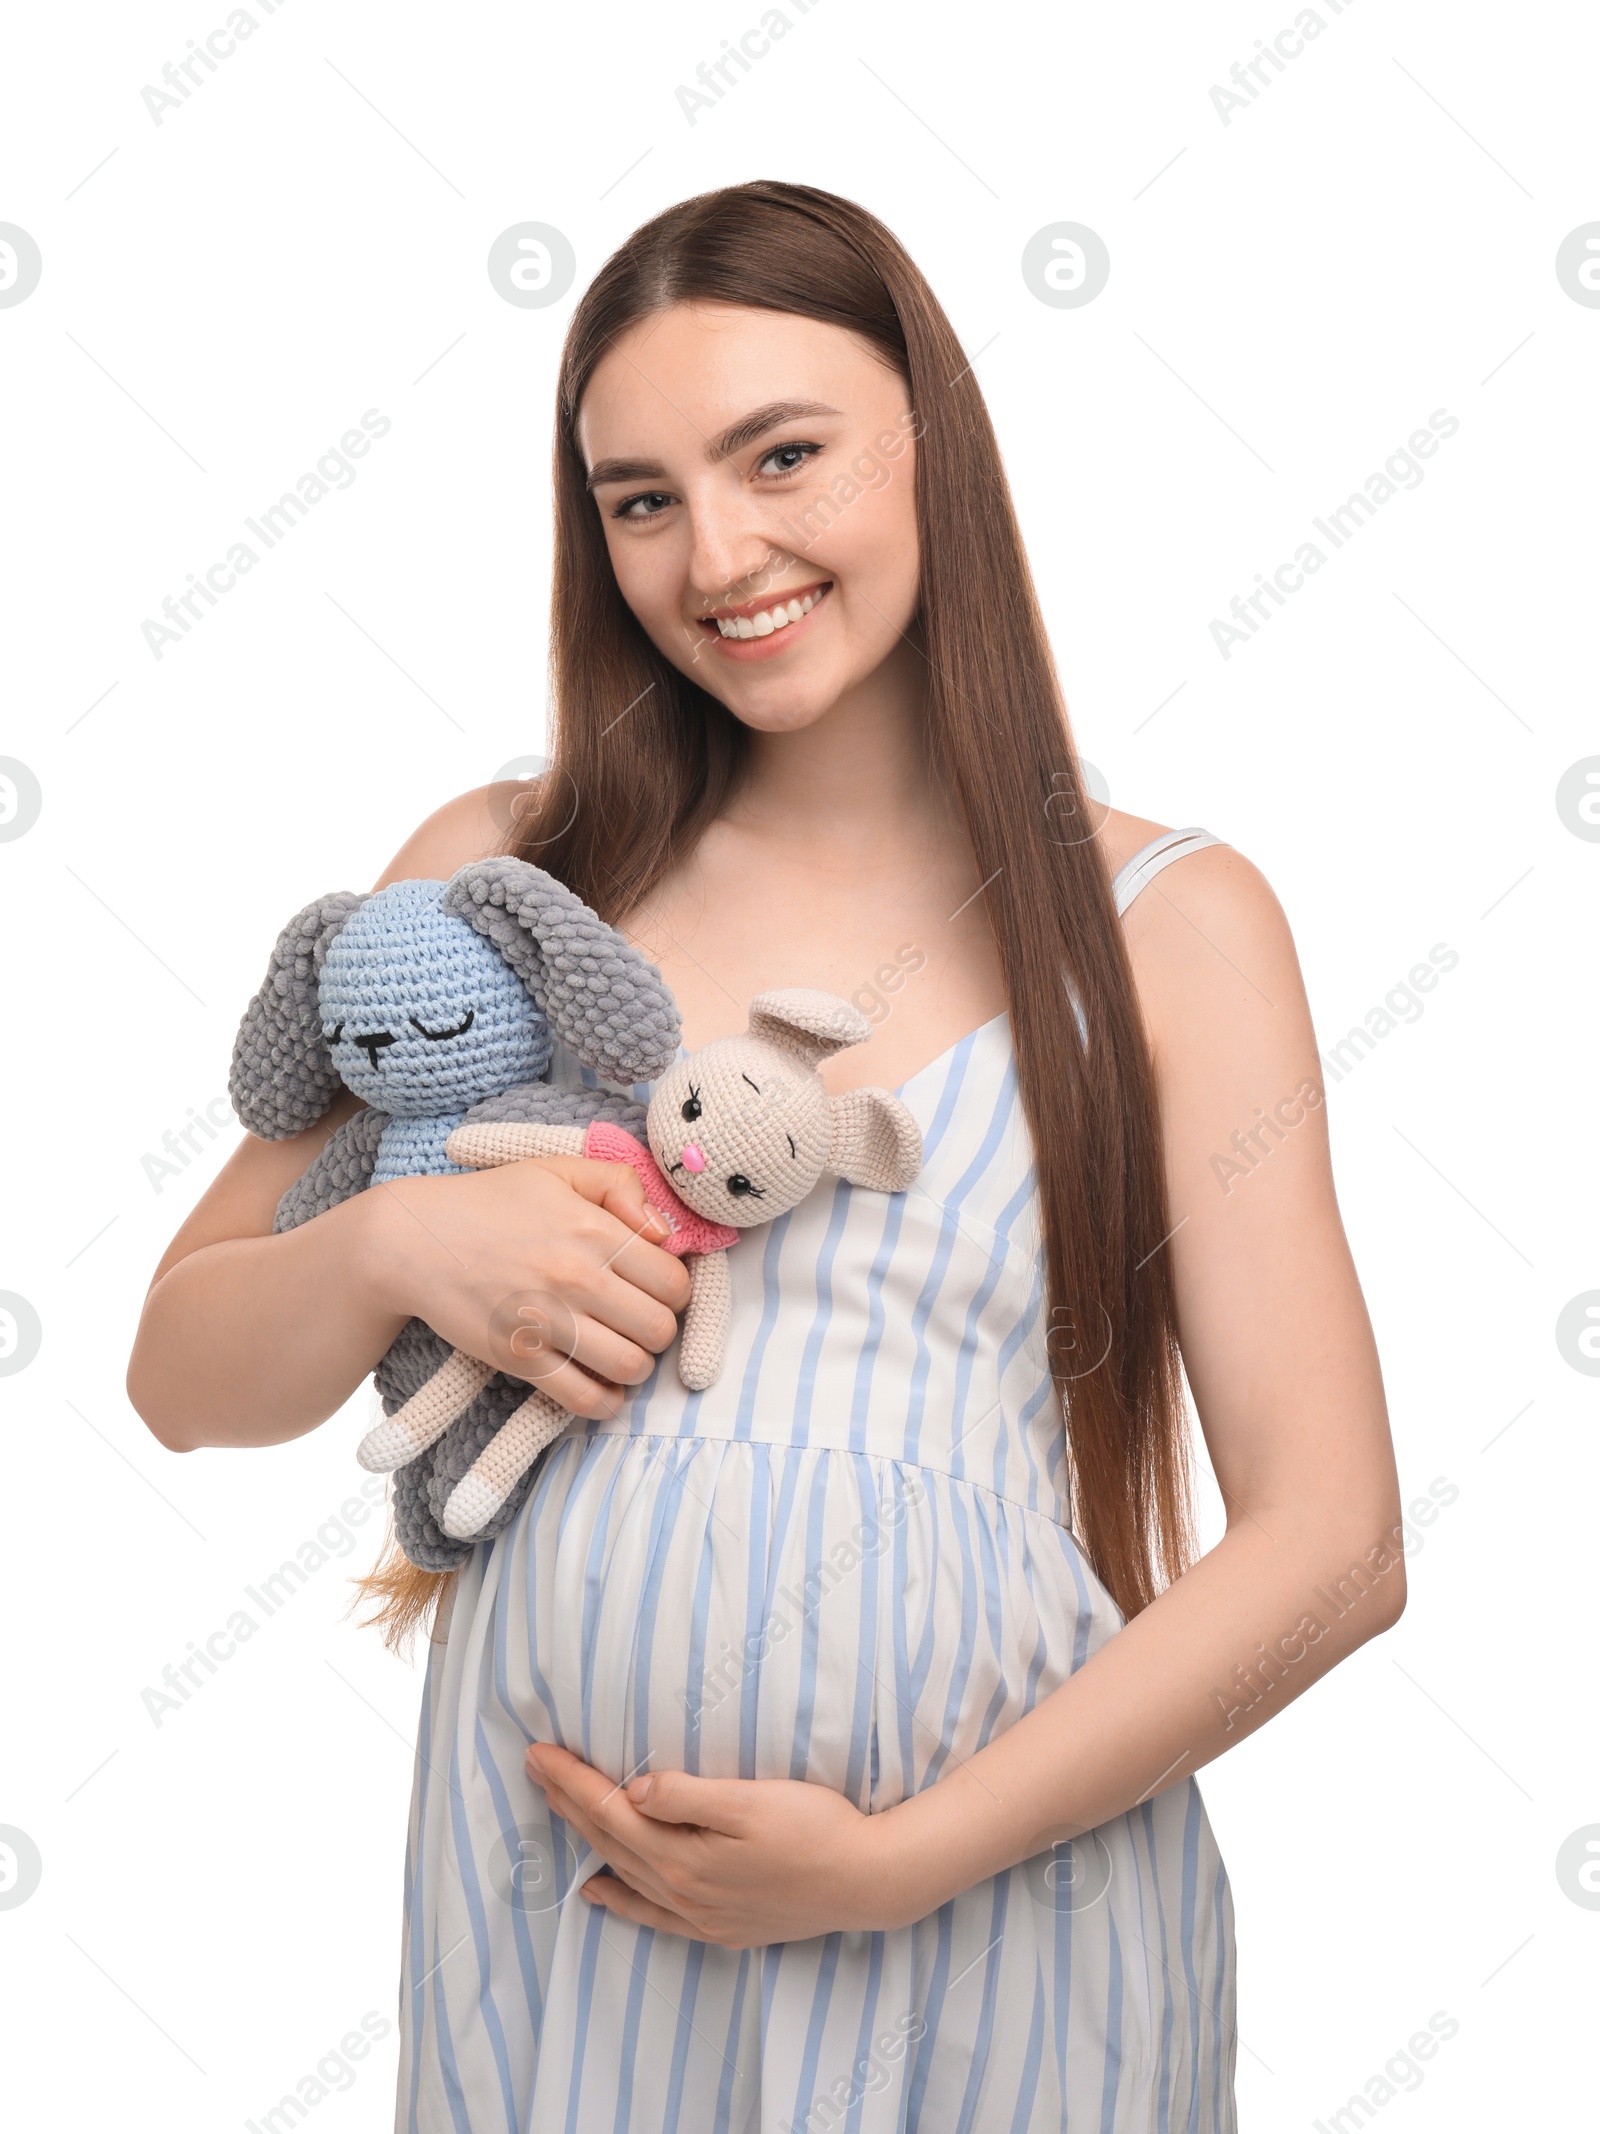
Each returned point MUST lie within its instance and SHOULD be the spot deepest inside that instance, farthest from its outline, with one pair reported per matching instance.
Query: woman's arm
(1285, 1376)
(251, 1338)
(210, 1362)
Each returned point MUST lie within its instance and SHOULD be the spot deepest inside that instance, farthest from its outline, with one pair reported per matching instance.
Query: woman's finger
(615, 1895)
(605, 1846)
(601, 1350)
(573, 1388)
(631, 1226)
(628, 1225)
(564, 1354)
(590, 1804)
(679, 1797)
(616, 1187)
(592, 1795)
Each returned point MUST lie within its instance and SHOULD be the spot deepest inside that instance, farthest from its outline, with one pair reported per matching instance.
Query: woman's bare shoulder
(1213, 886)
(1215, 962)
(1120, 836)
(473, 826)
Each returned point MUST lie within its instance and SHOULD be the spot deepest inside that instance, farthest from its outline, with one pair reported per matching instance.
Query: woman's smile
(760, 629)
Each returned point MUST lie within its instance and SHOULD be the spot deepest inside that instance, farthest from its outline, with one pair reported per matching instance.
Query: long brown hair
(643, 759)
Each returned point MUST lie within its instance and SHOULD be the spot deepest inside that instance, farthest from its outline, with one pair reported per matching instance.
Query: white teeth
(763, 624)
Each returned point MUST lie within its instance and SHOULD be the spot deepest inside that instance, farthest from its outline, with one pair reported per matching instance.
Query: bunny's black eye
(739, 1186)
(438, 1036)
(692, 1106)
(333, 1036)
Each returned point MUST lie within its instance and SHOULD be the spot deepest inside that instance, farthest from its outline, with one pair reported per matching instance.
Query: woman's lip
(747, 649)
(752, 608)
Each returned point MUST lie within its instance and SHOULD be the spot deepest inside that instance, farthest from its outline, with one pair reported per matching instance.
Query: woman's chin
(789, 691)
(772, 698)
(785, 708)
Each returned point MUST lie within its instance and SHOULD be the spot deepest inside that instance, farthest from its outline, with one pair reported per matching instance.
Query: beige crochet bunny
(739, 1133)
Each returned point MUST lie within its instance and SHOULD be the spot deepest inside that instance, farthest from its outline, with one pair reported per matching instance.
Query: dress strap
(1148, 862)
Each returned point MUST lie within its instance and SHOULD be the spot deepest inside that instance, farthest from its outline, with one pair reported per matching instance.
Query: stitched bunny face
(421, 1014)
(427, 997)
(740, 1130)
(745, 1127)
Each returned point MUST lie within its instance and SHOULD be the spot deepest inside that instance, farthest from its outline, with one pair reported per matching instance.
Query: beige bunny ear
(809, 1024)
(876, 1142)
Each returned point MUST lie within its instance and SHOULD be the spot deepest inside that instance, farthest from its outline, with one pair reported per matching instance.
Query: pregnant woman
(818, 1750)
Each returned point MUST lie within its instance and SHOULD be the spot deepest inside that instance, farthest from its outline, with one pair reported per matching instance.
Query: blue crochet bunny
(438, 1004)
(422, 1017)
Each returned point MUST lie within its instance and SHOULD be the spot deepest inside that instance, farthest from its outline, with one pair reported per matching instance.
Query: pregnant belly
(745, 1610)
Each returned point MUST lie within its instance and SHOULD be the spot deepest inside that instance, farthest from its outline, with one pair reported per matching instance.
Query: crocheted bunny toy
(738, 1133)
(426, 997)
(437, 1002)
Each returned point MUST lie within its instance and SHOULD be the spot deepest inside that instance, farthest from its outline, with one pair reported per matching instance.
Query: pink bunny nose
(693, 1158)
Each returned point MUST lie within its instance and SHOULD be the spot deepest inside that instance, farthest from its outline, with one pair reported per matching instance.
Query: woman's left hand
(739, 1862)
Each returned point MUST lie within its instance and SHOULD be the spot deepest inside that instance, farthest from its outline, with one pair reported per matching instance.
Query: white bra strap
(1147, 863)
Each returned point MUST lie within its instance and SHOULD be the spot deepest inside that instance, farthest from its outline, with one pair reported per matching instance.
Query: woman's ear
(283, 1078)
(609, 1006)
(876, 1142)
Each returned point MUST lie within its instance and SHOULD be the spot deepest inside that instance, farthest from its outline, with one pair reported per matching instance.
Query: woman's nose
(693, 1158)
(731, 557)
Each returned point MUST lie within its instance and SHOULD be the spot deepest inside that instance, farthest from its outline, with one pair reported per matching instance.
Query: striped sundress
(847, 1561)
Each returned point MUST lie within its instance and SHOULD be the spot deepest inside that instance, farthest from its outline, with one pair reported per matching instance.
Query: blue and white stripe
(847, 1561)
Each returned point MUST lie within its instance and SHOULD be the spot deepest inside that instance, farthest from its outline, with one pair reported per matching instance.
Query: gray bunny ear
(283, 1078)
(603, 1000)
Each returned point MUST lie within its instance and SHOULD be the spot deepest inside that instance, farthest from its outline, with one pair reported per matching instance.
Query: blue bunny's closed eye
(439, 1037)
(423, 1015)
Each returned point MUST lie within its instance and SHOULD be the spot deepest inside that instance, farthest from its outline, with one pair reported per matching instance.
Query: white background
(1291, 295)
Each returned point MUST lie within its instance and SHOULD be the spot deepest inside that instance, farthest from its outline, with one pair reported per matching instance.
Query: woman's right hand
(545, 1269)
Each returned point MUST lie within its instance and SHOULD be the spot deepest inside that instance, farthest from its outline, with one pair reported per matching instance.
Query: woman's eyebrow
(733, 439)
(758, 422)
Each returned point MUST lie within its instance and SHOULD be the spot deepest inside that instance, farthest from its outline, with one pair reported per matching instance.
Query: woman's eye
(692, 1106)
(657, 499)
(333, 1036)
(789, 459)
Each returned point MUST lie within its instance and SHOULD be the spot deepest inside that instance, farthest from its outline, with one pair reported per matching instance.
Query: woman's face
(753, 472)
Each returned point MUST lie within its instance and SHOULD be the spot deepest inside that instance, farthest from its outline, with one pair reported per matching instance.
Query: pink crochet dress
(690, 1232)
